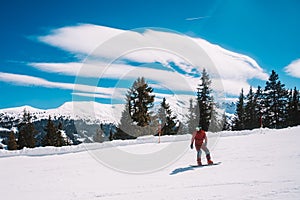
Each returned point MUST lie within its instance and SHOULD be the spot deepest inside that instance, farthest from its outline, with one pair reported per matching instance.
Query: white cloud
(25, 80)
(95, 70)
(293, 69)
(231, 65)
(191, 55)
(92, 95)
(82, 38)
(196, 18)
(229, 86)
(164, 79)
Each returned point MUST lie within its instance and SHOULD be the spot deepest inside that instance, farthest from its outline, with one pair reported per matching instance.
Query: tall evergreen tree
(293, 108)
(130, 125)
(239, 120)
(49, 139)
(27, 132)
(226, 124)
(141, 100)
(53, 135)
(192, 119)
(259, 107)
(12, 143)
(275, 102)
(167, 118)
(162, 112)
(204, 100)
(250, 114)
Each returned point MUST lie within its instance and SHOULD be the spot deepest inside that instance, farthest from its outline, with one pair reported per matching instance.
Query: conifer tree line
(138, 118)
(26, 135)
(272, 107)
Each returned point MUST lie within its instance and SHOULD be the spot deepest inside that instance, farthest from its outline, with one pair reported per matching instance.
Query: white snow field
(258, 164)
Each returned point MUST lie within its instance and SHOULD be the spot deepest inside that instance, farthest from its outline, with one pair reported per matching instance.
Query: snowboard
(205, 165)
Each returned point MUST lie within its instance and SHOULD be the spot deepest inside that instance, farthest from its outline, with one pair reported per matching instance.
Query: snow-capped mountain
(81, 120)
(97, 112)
(94, 111)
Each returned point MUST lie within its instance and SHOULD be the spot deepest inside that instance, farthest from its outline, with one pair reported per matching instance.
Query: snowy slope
(258, 164)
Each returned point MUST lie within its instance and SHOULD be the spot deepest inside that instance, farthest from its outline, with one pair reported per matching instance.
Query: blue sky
(267, 31)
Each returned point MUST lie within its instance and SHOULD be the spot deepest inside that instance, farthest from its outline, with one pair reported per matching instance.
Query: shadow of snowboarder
(182, 169)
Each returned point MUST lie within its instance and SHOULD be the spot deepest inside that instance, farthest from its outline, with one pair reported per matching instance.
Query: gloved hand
(192, 146)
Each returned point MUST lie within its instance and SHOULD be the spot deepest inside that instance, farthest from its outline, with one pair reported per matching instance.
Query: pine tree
(162, 114)
(140, 102)
(128, 128)
(192, 119)
(293, 108)
(126, 122)
(12, 143)
(27, 132)
(226, 124)
(259, 107)
(250, 114)
(204, 100)
(51, 131)
(239, 121)
(21, 142)
(168, 120)
(276, 102)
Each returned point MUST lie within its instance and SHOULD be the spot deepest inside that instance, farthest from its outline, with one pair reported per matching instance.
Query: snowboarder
(200, 138)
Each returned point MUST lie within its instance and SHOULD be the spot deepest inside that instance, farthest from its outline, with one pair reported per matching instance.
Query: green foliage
(53, 136)
(12, 143)
(275, 102)
(136, 119)
(275, 107)
(258, 106)
(205, 101)
(140, 101)
(122, 135)
(168, 121)
(239, 121)
(27, 132)
(251, 119)
(192, 119)
(293, 108)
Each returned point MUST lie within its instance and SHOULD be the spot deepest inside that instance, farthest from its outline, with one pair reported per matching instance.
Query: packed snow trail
(254, 166)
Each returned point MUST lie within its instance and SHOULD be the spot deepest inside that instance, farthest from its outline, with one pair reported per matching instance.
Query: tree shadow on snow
(182, 169)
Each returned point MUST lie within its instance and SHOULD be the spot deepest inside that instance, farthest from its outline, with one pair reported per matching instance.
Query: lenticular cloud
(144, 46)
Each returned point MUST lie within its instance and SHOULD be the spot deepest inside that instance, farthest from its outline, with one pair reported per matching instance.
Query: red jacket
(199, 137)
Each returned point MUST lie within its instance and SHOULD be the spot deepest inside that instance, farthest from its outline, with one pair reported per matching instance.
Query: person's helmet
(198, 128)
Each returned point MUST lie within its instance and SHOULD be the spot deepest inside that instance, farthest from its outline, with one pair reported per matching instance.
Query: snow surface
(257, 164)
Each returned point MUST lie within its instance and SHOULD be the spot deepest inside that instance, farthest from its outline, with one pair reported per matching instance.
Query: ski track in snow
(259, 164)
